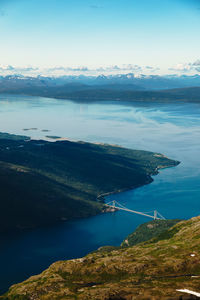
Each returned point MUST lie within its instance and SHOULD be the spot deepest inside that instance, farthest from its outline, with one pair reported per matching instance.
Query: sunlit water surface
(173, 130)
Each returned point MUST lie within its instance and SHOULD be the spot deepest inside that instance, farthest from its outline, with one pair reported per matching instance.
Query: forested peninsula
(45, 182)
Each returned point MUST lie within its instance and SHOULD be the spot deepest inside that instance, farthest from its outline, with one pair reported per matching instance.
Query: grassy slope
(43, 182)
(147, 231)
(154, 270)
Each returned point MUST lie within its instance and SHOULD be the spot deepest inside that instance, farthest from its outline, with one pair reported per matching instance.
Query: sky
(100, 36)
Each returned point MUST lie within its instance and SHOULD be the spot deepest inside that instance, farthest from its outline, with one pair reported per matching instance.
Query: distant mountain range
(112, 87)
(130, 81)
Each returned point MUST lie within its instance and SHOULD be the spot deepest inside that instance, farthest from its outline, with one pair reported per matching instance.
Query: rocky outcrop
(155, 269)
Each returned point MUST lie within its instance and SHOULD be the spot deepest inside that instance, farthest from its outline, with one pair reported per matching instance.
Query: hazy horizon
(94, 37)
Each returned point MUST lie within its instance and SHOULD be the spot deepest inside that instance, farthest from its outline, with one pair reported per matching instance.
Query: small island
(30, 129)
(46, 182)
(53, 137)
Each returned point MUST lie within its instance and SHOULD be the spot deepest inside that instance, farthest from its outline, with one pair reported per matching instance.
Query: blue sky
(162, 34)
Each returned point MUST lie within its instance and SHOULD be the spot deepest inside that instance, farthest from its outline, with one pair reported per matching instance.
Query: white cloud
(135, 69)
(187, 67)
(197, 63)
(11, 69)
(68, 69)
(181, 68)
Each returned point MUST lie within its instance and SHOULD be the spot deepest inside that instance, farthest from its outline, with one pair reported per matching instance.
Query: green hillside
(43, 182)
(155, 269)
(147, 231)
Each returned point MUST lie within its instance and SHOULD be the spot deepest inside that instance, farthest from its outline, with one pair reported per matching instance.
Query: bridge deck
(121, 207)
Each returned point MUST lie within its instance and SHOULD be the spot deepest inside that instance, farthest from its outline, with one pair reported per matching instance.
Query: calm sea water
(173, 130)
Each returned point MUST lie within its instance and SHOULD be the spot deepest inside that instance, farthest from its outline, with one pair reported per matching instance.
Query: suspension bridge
(117, 206)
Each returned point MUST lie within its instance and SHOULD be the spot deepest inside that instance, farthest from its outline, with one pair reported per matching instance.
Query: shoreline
(134, 169)
(154, 171)
(170, 95)
(102, 196)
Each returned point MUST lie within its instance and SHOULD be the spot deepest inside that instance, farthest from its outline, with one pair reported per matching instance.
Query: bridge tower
(155, 215)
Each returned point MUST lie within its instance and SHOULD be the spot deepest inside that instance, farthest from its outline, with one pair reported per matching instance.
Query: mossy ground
(154, 269)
